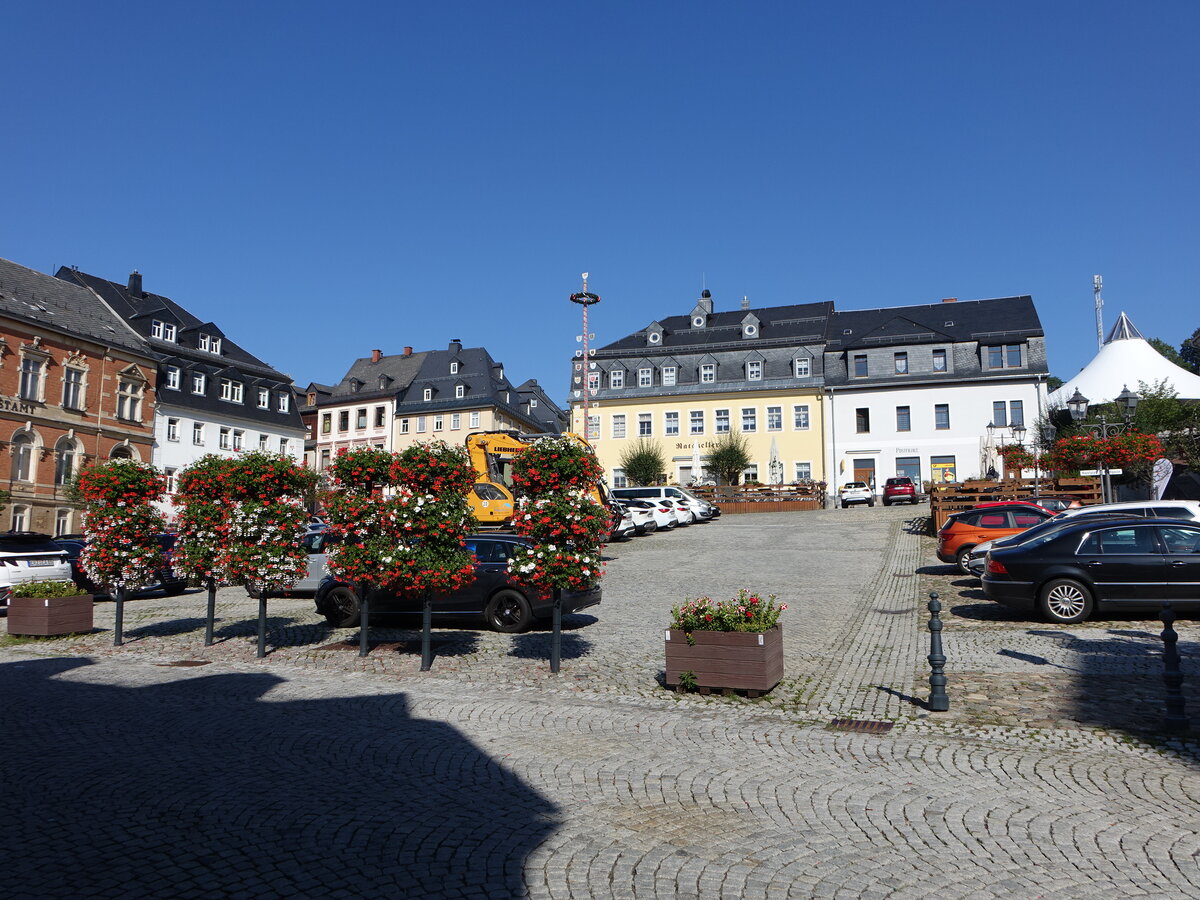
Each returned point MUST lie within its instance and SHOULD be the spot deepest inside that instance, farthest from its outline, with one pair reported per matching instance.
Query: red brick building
(76, 385)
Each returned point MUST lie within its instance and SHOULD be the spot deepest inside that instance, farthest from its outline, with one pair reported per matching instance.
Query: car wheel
(887, 502)
(960, 560)
(509, 612)
(871, 502)
(845, 505)
(1065, 601)
(342, 608)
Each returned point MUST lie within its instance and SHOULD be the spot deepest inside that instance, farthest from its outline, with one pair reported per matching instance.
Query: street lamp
(1127, 401)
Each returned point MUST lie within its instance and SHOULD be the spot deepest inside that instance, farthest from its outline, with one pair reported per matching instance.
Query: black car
(507, 604)
(1069, 573)
(166, 579)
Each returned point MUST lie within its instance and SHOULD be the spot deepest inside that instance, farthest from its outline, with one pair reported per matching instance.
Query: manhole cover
(865, 726)
(185, 663)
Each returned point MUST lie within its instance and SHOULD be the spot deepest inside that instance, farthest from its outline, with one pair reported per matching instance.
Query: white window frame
(474, 419)
(801, 420)
(708, 373)
(172, 429)
(74, 392)
(439, 423)
(199, 383)
(427, 395)
(645, 425)
(453, 368)
(129, 400)
(173, 374)
(754, 370)
(696, 421)
(668, 376)
(802, 367)
(262, 441)
(721, 416)
(798, 474)
(750, 418)
(671, 423)
(231, 391)
(239, 438)
(198, 433)
(264, 398)
(645, 377)
(618, 426)
(459, 391)
(593, 427)
(456, 421)
(774, 418)
(33, 371)
(223, 438)
(616, 379)
(593, 381)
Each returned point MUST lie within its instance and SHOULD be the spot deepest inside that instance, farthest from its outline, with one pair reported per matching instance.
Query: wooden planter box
(50, 616)
(727, 659)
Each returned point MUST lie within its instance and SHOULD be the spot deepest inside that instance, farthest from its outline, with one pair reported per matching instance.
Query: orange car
(964, 530)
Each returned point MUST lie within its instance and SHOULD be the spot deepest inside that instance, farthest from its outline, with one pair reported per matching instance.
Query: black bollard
(212, 612)
(118, 627)
(556, 638)
(426, 629)
(939, 700)
(364, 620)
(262, 624)
(1176, 718)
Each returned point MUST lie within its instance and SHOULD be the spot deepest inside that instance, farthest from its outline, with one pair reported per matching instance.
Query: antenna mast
(1097, 284)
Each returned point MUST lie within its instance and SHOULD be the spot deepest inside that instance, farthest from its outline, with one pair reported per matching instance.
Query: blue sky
(325, 179)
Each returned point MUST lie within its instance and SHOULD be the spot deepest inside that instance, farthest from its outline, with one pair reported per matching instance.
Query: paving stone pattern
(316, 773)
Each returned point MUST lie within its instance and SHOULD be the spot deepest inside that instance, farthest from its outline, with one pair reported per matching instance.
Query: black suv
(167, 581)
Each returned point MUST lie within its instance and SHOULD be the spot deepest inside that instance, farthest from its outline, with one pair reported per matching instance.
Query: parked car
(963, 530)
(1058, 504)
(664, 516)
(856, 492)
(505, 603)
(683, 512)
(978, 557)
(643, 519)
(30, 556)
(1068, 574)
(166, 579)
(702, 508)
(900, 490)
(623, 525)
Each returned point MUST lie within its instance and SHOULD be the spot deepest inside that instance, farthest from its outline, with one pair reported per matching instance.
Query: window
(420, 424)
(64, 460)
(754, 370)
(197, 434)
(749, 418)
(427, 395)
(129, 400)
(264, 398)
(999, 413)
(901, 363)
(164, 330)
(800, 420)
(903, 418)
(453, 368)
(439, 423)
(456, 421)
(73, 387)
(722, 421)
(326, 423)
(696, 421)
(618, 425)
(941, 416)
(801, 366)
(909, 466)
(645, 425)
(619, 479)
(1004, 356)
(404, 425)
(533, 402)
(939, 360)
(860, 366)
(62, 521)
(668, 376)
(750, 473)
(1016, 412)
(593, 428)
(231, 390)
(238, 435)
(172, 382)
(223, 439)
(209, 342)
(20, 518)
(460, 391)
(172, 429)
(645, 377)
(803, 471)
(475, 419)
(862, 420)
(708, 373)
(344, 420)
(774, 418)
(360, 418)
(380, 416)
(593, 382)
(283, 446)
(262, 441)
(199, 383)
(616, 378)
(31, 379)
(942, 469)
(670, 423)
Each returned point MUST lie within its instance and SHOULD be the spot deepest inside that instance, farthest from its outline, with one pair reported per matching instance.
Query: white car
(683, 512)
(856, 492)
(643, 519)
(30, 556)
(664, 516)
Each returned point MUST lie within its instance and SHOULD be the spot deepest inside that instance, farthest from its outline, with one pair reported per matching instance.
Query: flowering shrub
(434, 468)
(365, 469)
(264, 476)
(264, 552)
(123, 550)
(1081, 451)
(556, 566)
(746, 612)
(202, 494)
(555, 464)
(1016, 458)
(573, 517)
(121, 482)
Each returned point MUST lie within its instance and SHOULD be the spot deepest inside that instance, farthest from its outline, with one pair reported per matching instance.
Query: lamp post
(1127, 401)
(1018, 433)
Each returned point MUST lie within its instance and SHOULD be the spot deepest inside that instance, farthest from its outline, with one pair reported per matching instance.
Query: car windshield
(855, 484)
(28, 544)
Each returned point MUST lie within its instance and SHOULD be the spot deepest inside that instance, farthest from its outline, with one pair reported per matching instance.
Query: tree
(1053, 382)
(1189, 352)
(643, 462)
(1168, 351)
(730, 458)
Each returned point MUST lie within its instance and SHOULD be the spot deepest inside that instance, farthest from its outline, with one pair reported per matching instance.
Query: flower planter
(740, 660)
(50, 616)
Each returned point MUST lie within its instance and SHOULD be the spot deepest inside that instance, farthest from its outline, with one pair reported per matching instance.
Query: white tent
(1125, 359)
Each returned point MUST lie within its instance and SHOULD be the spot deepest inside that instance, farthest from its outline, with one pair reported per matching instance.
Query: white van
(702, 508)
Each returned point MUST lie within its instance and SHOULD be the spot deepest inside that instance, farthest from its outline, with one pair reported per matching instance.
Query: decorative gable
(654, 334)
(750, 325)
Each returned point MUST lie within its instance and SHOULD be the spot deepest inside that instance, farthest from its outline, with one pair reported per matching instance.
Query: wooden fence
(765, 497)
(946, 499)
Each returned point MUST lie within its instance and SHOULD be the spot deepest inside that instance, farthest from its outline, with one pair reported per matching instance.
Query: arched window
(121, 451)
(64, 460)
(22, 453)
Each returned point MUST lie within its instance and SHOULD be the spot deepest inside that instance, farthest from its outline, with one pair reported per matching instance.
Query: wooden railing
(946, 499)
(765, 497)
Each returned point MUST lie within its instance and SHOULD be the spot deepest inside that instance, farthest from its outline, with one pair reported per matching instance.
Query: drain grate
(185, 663)
(863, 726)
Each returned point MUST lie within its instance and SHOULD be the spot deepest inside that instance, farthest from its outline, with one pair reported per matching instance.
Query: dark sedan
(1069, 573)
(507, 604)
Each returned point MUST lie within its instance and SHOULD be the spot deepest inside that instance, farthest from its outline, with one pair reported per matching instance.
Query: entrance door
(864, 471)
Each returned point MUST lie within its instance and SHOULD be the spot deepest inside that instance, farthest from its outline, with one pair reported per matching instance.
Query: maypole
(585, 299)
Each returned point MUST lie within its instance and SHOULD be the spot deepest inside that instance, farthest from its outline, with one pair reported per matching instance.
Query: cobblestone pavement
(316, 773)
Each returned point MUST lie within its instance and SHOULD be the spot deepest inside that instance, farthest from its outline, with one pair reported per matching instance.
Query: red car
(900, 488)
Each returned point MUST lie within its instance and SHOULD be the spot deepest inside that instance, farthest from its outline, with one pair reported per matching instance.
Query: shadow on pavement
(536, 645)
(199, 786)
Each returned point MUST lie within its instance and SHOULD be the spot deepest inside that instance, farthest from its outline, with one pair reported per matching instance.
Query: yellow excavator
(491, 454)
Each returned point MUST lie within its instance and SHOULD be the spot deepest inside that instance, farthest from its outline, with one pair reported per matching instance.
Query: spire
(1123, 330)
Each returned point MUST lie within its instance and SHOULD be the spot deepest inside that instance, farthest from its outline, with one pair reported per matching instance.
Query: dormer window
(697, 321)
(616, 378)
(654, 337)
(749, 329)
(264, 398)
(533, 403)
(453, 368)
(754, 370)
(645, 377)
(460, 391)
(284, 403)
(708, 373)
(209, 342)
(428, 395)
(802, 366)
(162, 330)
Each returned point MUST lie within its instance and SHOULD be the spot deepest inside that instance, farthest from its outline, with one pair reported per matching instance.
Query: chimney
(408, 351)
(949, 299)
(375, 355)
(745, 302)
(455, 345)
(705, 301)
(135, 283)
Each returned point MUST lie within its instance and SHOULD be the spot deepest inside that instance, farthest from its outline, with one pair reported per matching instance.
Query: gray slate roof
(986, 321)
(68, 308)
(797, 323)
(396, 371)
